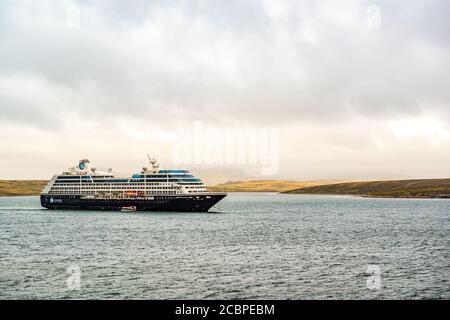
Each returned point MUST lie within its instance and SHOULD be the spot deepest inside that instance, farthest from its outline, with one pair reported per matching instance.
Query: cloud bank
(347, 76)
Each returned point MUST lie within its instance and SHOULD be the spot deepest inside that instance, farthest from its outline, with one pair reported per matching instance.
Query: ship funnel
(83, 165)
(153, 162)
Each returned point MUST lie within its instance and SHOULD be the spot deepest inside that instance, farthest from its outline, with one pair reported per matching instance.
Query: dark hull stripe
(201, 203)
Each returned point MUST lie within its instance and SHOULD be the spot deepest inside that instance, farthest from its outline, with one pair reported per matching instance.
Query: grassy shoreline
(9, 188)
(267, 185)
(418, 188)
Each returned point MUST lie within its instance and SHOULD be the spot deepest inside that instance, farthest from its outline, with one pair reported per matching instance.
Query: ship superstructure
(84, 187)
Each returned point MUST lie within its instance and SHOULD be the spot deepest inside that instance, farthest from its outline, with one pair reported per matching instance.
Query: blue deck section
(182, 176)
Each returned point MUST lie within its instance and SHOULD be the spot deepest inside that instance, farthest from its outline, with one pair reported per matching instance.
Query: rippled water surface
(255, 246)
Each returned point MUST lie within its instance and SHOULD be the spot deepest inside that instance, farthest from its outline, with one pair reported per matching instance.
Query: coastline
(396, 189)
(402, 189)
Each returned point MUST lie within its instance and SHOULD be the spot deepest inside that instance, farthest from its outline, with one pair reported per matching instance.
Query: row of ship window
(134, 176)
(137, 179)
(127, 181)
(93, 193)
(123, 188)
(88, 183)
(163, 174)
(148, 192)
(93, 190)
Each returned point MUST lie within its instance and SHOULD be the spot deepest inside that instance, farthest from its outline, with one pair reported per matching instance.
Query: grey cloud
(214, 59)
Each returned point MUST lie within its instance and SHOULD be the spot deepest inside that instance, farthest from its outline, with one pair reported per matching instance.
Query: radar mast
(153, 163)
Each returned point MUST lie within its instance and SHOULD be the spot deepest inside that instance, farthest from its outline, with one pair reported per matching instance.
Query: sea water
(250, 246)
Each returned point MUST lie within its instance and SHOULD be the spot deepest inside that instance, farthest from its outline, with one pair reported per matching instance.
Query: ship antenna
(153, 162)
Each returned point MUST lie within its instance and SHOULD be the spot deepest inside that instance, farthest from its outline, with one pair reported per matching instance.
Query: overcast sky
(357, 89)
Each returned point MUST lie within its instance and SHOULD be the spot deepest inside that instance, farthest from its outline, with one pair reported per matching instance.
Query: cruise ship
(153, 189)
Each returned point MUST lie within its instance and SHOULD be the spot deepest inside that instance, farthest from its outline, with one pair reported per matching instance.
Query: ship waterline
(154, 189)
(189, 203)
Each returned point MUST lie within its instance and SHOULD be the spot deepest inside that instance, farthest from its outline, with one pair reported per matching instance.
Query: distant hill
(421, 188)
(267, 185)
(21, 187)
(213, 176)
(34, 187)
